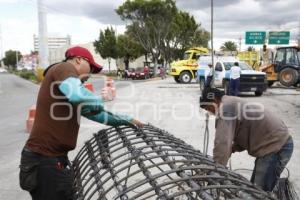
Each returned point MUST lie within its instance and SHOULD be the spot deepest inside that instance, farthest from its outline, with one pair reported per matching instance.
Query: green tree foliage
(10, 58)
(161, 29)
(229, 46)
(150, 22)
(185, 33)
(106, 46)
(250, 48)
(128, 47)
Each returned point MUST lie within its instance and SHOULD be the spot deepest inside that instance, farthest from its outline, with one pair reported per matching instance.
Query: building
(53, 42)
(28, 62)
(58, 55)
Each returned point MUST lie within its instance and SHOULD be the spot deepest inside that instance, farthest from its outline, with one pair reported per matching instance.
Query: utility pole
(43, 39)
(212, 31)
(17, 59)
(298, 31)
(1, 46)
(240, 44)
(212, 41)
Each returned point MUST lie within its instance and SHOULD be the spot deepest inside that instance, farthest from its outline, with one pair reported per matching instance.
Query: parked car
(130, 73)
(250, 80)
(2, 70)
(140, 73)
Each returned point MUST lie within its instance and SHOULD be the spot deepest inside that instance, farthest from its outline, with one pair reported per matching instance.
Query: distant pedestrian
(126, 74)
(209, 76)
(162, 72)
(146, 72)
(235, 73)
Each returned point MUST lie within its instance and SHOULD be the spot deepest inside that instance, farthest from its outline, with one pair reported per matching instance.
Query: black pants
(208, 81)
(53, 176)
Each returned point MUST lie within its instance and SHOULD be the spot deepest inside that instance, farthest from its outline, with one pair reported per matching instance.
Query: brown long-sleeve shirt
(242, 125)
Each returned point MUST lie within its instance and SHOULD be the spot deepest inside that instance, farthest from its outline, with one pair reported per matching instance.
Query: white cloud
(18, 34)
(83, 19)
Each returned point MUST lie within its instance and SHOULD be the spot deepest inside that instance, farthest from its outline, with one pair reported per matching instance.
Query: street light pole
(17, 59)
(43, 39)
(1, 44)
(212, 30)
(212, 39)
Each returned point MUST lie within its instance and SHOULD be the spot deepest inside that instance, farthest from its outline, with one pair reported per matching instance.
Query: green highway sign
(281, 37)
(255, 37)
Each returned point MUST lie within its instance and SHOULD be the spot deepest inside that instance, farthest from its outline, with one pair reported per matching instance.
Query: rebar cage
(149, 163)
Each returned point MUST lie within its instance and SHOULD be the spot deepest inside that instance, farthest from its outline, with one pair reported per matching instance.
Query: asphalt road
(16, 97)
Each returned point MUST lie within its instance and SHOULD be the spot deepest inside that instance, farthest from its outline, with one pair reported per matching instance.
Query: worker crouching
(242, 125)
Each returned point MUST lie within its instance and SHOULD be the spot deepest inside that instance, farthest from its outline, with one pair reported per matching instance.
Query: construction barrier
(30, 120)
(89, 86)
(108, 93)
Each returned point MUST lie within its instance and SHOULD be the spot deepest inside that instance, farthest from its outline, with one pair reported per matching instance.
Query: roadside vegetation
(26, 74)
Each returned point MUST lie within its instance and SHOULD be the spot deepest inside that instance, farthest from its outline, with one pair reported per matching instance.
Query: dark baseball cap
(78, 51)
(209, 95)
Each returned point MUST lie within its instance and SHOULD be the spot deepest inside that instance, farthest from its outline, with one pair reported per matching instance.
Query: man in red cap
(44, 169)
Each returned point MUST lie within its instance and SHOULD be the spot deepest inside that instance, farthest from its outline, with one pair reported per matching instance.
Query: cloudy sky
(82, 19)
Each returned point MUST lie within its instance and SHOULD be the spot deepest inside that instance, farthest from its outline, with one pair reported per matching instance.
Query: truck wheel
(288, 77)
(185, 77)
(202, 84)
(270, 83)
(176, 78)
(227, 88)
(258, 93)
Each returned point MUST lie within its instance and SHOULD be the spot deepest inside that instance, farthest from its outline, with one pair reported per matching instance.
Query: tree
(107, 45)
(229, 46)
(200, 38)
(150, 23)
(10, 58)
(185, 33)
(250, 48)
(128, 48)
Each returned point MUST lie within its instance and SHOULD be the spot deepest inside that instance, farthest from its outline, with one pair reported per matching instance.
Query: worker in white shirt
(209, 76)
(235, 73)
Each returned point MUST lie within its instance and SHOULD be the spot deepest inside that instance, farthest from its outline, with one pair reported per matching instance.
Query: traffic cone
(30, 120)
(89, 86)
(108, 93)
(104, 94)
(109, 82)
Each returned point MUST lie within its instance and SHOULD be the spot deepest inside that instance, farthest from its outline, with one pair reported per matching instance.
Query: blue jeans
(268, 168)
(234, 87)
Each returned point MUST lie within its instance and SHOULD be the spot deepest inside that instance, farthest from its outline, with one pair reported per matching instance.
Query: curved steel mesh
(126, 163)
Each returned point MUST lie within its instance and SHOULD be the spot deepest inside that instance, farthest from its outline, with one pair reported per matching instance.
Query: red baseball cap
(78, 51)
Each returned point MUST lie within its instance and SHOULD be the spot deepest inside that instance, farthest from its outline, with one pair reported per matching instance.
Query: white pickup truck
(250, 80)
